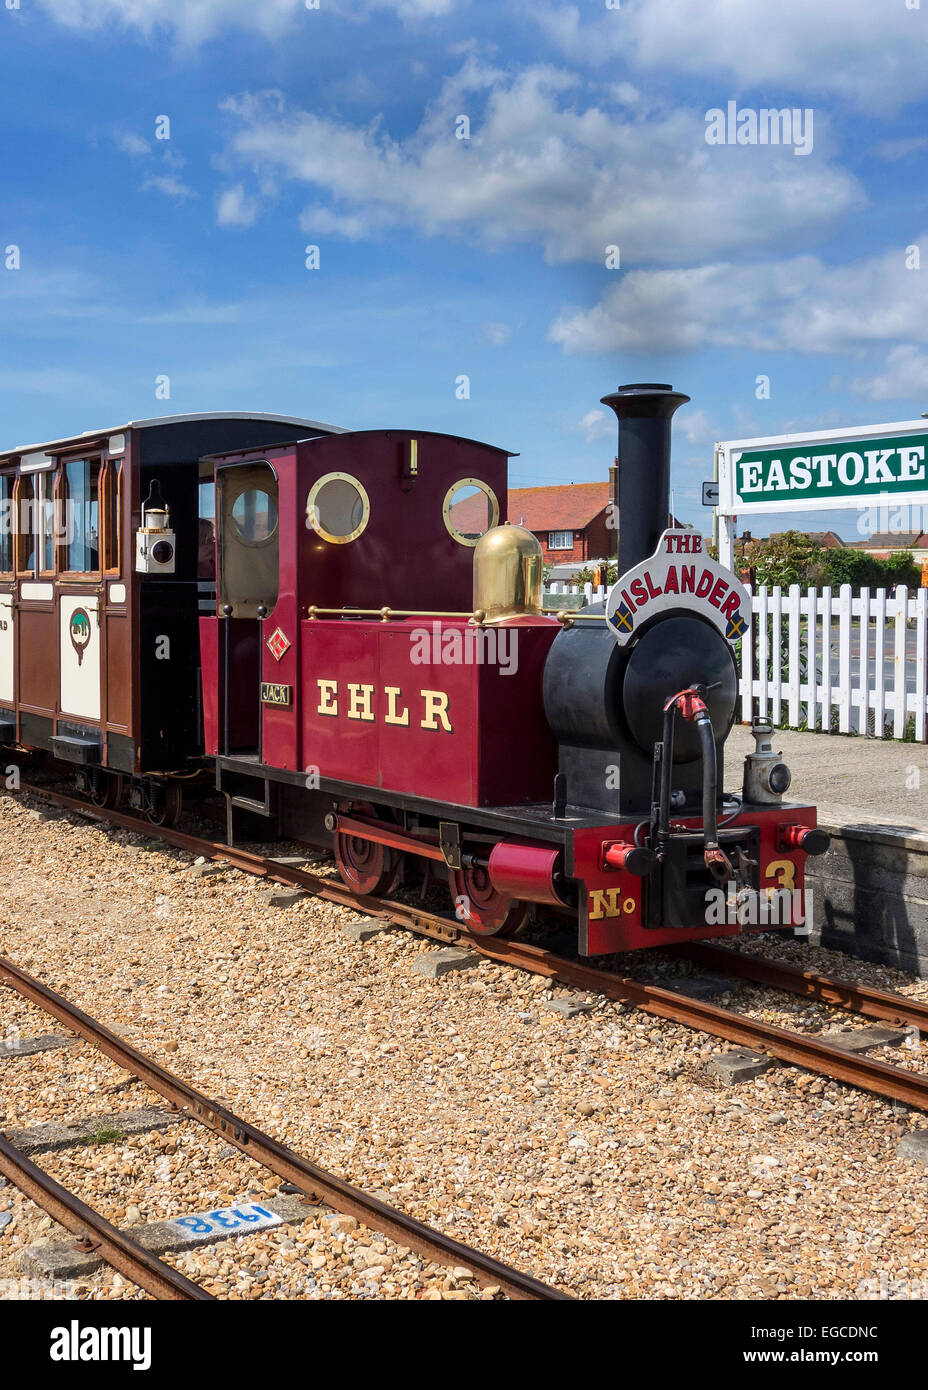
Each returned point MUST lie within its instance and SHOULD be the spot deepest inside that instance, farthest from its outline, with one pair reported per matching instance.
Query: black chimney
(644, 411)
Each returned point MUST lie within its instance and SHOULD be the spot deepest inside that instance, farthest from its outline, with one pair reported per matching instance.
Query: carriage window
(338, 508)
(470, 510)
(7, 524)
(112, 474)
(45, 516)
(82, 520)
(25, 525)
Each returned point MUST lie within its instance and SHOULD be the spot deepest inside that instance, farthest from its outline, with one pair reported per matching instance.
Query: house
(884, 543)
(569, 521)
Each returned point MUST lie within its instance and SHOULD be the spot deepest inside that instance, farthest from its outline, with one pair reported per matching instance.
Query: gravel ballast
(593, 1151)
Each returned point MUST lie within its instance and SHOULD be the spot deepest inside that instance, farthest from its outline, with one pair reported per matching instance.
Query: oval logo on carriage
(79, 631)
(678, 575)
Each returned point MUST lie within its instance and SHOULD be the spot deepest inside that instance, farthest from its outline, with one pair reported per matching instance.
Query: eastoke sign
(678, 575)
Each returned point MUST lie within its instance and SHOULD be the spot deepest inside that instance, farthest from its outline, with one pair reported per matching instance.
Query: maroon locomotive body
(383, 679)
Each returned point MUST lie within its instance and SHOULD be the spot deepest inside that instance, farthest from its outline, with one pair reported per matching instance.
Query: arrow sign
(710, 494)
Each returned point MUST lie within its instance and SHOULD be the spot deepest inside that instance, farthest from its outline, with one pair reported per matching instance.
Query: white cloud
(905, 375)
(196, 20)
(542, 167)
(170, 187)
(799, 304)
(322, 221)
(235, 209)
(134, 144)
(498, 333)
(901, 149)
(871, 56)
(596, 424)
(697, 428)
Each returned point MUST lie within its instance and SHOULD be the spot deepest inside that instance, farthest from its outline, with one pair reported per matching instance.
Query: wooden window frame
(76, 576)
(19, 569)
(14, 535)
(561, 534)
(110, 469)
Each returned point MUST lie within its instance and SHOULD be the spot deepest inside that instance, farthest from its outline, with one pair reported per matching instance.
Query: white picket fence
(851, 664)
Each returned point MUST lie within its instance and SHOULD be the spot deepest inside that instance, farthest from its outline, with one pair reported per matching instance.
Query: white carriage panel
(6, 647)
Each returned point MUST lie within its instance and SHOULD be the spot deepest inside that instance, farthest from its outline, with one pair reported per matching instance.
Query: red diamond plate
(277, 644)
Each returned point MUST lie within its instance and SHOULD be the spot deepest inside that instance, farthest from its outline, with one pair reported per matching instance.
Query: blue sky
(485, 258)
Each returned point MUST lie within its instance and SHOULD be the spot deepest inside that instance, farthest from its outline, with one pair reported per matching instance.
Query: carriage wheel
(482, 908)
(106, 789)
(165, 803)
(368, 868)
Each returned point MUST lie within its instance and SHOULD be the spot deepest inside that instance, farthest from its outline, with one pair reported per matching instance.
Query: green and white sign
(800, 472)
(852, 468)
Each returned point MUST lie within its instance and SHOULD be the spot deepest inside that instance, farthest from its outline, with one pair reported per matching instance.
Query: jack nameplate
(275, 694)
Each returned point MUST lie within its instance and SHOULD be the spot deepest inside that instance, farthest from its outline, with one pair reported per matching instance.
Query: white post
(776, 642)
(727, 541)
(826, 659)
(863, 668)
(812, 660)
(844, 659)
(921, 673)
(879, 693)
(762, 678)
(899, 700)
(747, 669)
(792, 670)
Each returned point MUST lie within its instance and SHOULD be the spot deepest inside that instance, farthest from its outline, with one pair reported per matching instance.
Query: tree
(789, 558)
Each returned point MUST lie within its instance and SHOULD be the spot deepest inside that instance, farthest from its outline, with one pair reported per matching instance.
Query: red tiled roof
(567, 508)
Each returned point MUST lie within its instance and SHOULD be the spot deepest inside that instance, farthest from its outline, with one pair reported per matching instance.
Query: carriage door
(247, 579)
(79, 613)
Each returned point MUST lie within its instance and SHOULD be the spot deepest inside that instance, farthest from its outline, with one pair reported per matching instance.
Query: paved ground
(851, 780)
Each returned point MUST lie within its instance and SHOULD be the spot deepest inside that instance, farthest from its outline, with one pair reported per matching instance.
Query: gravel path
(594, 1152)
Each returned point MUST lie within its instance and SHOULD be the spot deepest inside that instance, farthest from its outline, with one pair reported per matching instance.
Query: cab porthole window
(254, 516)
(337, 508)
(470, 510)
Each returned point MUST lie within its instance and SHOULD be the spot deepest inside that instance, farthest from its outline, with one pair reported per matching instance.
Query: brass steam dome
(508, 574)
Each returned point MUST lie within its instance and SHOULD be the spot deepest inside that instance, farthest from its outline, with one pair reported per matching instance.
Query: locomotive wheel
(106, 789)
(165, 803)
(367, 867)
(482, 908)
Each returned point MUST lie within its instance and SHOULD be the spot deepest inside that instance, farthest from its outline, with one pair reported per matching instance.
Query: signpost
(869, 466)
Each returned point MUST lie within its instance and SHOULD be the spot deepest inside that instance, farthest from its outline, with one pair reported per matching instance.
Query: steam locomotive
(342, 632)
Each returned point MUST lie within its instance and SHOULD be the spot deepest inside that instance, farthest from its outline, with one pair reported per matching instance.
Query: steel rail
(113, 1245)
(896, 1083)
(317, 1184)
(797, 1049)
(844, 994)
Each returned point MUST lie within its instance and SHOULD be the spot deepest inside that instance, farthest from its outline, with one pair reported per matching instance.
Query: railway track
(116, 1247)
(795, 1048)
(316, 1184)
